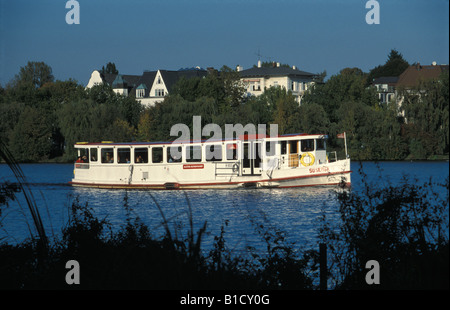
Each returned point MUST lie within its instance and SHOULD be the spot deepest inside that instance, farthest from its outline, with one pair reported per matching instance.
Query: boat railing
(330, 159)
(227, 168)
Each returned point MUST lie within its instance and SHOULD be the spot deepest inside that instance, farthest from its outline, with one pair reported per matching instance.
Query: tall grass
(23, 187)
(405, 227)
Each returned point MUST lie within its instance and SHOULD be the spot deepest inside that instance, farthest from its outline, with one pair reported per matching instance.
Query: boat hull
(337, 174)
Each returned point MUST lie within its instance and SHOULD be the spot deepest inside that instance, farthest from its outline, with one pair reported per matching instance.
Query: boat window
(94, 156)
(232, 151)
(307, 145)
(270, 148)
(246, 156)
(157, 155)
(141, 155)
(107, 155)
(83, 156)
(213, 152)
(320, 145)
(283, 147)
(193, 153)
(123, 155)
(293, 147)
(174, 154)
(258, 155)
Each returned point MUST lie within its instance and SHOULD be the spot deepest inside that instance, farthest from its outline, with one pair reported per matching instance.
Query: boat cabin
(248, 159)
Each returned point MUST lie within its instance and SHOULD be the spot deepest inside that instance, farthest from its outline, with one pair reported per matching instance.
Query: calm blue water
(294, 211)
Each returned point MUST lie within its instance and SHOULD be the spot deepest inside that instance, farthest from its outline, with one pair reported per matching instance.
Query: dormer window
(140, 91)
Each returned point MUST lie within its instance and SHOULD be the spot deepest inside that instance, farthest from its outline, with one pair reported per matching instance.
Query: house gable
(158, 88)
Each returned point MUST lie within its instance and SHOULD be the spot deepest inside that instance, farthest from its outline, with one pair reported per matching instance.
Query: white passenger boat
(253, 161)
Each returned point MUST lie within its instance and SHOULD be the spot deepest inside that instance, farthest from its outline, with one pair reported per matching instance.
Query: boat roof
(240, 138)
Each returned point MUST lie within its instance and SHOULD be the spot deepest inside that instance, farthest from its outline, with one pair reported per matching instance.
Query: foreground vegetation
(405, 228)
(41, 118)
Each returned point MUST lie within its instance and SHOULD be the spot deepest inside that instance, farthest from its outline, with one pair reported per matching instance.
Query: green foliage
(403, 227)
(344, 102)
(348, 85)
(427, 112)
(394, 66)
(34, 74)
(110, 69)
(32, 136)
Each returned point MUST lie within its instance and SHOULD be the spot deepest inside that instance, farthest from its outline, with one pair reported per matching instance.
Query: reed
(23, 187)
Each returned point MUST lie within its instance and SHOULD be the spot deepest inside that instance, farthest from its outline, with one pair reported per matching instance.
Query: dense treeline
(41, 118)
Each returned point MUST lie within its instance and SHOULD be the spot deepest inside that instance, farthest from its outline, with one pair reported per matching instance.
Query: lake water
(294, 211)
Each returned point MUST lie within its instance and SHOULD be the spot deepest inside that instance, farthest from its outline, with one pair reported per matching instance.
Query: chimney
(278, 64)
(239, 68)
(259, 63)
(294, 67)
(434, 63)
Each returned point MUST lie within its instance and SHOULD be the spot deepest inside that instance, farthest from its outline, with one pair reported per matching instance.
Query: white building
(259, 78)
(149, 88)
(385, 87)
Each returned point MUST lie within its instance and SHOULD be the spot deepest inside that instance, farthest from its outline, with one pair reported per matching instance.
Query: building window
(140, 93)
(256, 86)
(159, 92)
(158, 81)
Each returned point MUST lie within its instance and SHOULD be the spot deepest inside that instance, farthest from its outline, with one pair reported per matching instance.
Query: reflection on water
(295, 211)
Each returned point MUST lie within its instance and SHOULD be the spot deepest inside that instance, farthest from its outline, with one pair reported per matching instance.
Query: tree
(348, 85)
(285, 109)
(233, 88)
(75, 121)
(313, 119)
(31, 137)
(110, 68)
(9, 116)
(426, 108)
(144, 126)
(34, 74)
(394, 66)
